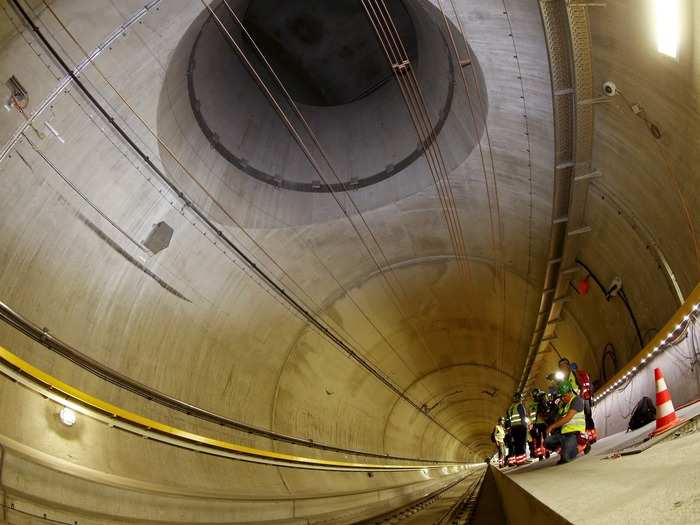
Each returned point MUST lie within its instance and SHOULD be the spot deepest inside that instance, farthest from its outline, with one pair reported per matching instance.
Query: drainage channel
(453, 504)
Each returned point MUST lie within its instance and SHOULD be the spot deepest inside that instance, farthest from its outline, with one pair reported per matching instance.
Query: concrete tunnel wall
(190, 322)
(643, 210)
(206, 340)
(367, 141)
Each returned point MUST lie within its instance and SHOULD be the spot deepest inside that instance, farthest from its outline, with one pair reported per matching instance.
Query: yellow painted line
(104, 407)
(677, 318)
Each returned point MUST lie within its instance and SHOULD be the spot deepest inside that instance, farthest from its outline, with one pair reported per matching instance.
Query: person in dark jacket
(518, 429)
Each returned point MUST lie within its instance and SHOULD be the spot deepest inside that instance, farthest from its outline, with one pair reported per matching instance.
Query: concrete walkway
(659, 485)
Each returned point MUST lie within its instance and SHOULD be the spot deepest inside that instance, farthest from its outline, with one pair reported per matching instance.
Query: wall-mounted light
(67, 416)
(644, 361)
(668, 26)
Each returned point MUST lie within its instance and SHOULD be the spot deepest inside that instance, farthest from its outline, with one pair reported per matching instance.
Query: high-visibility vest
(514, 415)
(573, 383)
(499, 433)
(576, 423)
(531, 410)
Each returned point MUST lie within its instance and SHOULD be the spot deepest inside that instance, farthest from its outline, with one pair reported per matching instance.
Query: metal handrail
(56, 390)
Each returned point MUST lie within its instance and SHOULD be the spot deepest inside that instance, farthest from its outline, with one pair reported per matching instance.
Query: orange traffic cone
(666, 417)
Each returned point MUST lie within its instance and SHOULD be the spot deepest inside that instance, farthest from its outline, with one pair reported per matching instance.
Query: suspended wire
(317, 144)
(317, 169)
(668, 171)
(473, 117)
(179, 210)
(516, 55)
(432, 137)
(82, 195)
(400, 63)
(297, 137)
(188, 203)
(177, 160)
(324, 331)
(498, 242)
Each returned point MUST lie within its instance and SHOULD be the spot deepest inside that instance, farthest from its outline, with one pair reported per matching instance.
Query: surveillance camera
(614, 288)
(609, 88)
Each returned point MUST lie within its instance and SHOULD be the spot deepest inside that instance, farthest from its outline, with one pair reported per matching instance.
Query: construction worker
(539, 425)
(584, 382)
(566, 375)
(531, 410)
(508, 442)
(518, 429)
(499, 434)
(563, 433)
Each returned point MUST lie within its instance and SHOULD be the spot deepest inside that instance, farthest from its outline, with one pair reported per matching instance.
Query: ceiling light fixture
(67, 416)
(668, 27)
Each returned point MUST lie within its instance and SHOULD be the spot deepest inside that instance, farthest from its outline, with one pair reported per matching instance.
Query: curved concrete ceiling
(439, 331)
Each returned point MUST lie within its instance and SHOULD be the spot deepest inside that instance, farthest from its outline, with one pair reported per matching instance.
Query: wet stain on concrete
(121, 251)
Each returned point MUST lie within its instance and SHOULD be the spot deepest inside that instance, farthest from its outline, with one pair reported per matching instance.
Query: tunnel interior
(288, 262)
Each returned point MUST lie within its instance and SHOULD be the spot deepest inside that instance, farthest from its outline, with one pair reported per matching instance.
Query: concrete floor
(659, 485)
(489, 507)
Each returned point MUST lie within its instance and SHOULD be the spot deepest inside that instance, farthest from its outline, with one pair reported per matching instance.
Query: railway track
(453, 504)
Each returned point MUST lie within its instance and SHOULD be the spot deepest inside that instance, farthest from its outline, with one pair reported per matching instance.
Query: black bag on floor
(643, 413)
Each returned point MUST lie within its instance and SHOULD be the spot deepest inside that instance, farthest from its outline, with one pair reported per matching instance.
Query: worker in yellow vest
(499, 434)
(567, 375)
(571, 421)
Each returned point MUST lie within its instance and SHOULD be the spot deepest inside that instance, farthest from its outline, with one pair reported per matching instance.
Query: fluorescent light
(67, 416)
(668, 24)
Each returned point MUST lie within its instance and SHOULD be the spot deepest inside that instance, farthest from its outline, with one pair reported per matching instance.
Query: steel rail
(454, 514)
(411, 508)
(252, 265)
(52, 388)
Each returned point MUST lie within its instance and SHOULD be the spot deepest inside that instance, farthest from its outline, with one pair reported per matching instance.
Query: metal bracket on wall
(588, 176)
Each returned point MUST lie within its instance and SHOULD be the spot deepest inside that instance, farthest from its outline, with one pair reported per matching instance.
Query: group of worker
(558, 420)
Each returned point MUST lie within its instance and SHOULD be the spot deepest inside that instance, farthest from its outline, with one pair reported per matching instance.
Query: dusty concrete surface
(660, 485)
(489, 507)
(521, 507)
